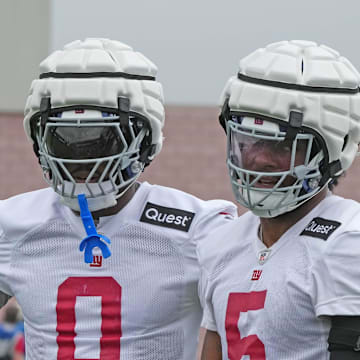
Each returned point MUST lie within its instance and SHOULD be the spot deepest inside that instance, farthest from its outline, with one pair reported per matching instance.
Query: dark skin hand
(212, 346)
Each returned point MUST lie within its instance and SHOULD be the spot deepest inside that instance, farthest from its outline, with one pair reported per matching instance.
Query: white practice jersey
(273, 303)
(141, 303)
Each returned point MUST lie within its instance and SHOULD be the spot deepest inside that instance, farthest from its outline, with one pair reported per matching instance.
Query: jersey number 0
(110, 292)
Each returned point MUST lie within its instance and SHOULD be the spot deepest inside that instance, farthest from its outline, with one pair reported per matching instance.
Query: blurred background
(196, 46)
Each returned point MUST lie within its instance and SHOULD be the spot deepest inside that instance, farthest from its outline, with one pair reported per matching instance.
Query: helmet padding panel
(100, 56)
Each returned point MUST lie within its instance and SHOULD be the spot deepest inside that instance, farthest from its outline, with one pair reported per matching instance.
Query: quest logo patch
(167, 217)
(320, 228)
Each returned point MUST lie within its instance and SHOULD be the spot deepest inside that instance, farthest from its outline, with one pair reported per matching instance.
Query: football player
(103, 267)
(286, 282)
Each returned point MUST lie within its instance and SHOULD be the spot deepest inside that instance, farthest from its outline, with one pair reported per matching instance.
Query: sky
(197, 44)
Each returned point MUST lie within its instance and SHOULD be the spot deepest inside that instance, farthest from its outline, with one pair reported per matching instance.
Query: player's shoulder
(30, 202)
(25, 211)
(348, 214)
(228, 241)
(173, 197)
(172, 206)
(333, 219)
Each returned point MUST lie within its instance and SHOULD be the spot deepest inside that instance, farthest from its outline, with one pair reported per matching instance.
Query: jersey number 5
(250, 345)
(110, 292)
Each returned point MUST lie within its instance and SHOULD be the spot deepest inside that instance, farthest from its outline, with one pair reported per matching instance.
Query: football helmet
(297, 104)
(95, 118)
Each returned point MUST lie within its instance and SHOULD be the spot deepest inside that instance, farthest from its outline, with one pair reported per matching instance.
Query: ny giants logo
(97, 261)
(258, 121)
(256, 275)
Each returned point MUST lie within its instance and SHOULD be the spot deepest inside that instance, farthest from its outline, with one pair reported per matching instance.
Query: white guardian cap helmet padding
(308, 91)
(96, 91)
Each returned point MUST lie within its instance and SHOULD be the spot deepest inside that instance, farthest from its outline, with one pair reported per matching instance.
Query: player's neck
(121, 203)
(273, 228)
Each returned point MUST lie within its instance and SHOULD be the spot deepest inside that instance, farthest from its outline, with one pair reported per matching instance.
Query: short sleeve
(336, 277)
(213, 218)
